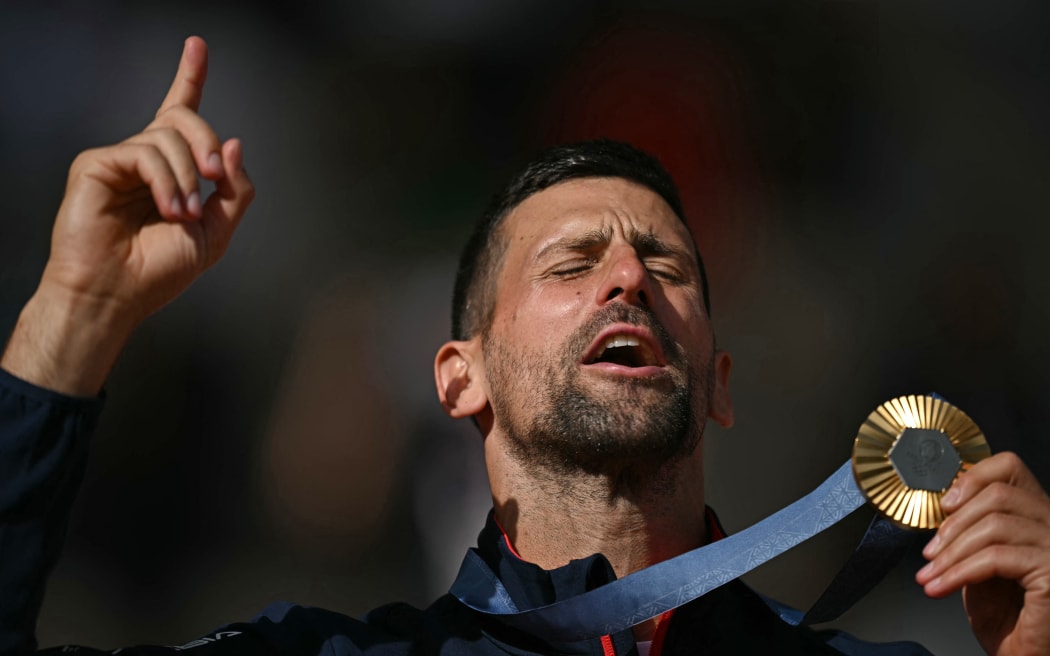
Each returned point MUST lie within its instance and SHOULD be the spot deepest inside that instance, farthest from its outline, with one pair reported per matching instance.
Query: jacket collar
(531, 586)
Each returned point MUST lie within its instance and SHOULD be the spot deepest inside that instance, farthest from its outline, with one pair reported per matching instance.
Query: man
(583, 350)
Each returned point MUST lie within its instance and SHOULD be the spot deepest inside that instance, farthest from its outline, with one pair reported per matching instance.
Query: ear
(460, 379)
(721, 403)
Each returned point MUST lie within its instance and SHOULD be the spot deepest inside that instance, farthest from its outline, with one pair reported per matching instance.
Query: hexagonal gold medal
(908, 453)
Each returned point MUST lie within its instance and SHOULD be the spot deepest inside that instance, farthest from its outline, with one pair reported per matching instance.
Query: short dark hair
(474, 295)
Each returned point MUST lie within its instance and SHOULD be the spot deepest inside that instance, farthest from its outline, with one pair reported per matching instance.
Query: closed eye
(664, 272)
(573, 267)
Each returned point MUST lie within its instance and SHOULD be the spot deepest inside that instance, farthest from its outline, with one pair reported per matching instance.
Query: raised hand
(995, 546)
(131, 234)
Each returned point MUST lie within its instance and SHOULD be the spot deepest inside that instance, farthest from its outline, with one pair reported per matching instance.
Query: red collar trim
(714, 528)
(714, 534)
(506, 539)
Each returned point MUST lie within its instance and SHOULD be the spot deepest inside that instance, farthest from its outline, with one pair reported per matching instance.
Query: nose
(626, 279)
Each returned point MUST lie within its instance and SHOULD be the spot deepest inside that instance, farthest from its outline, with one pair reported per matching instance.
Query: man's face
(600, 354)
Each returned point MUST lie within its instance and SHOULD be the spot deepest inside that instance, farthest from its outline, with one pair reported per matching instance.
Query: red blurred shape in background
(678, 92)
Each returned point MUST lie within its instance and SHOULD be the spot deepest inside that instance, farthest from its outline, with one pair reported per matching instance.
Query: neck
(635, 517)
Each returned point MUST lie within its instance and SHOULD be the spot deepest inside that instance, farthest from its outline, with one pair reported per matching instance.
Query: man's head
(582, 307)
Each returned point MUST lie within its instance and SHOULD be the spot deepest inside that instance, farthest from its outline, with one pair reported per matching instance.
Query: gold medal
(907, 454)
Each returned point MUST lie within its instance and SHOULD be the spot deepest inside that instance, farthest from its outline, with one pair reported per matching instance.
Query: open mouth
(625, 348)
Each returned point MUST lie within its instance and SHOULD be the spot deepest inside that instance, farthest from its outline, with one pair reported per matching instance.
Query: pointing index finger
(188, 85)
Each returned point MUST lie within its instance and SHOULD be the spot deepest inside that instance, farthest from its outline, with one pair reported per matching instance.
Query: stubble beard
(561, 426)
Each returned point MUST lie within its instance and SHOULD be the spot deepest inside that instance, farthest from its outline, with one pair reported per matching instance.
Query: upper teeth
(621, 340)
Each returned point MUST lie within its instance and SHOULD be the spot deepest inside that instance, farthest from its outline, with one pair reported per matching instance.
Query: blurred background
(867, 181)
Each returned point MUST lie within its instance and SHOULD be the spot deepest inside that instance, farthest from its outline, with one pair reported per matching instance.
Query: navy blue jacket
(43, 451)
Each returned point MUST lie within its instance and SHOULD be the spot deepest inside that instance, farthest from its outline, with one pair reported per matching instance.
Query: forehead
(572, 207)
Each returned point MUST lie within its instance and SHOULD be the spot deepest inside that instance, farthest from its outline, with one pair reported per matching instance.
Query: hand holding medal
(994, 545)
(924, 464)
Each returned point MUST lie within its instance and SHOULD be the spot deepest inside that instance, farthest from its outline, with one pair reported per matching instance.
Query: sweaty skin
(574, 250)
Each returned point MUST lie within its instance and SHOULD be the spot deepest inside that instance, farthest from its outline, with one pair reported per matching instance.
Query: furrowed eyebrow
(577, 243)
(646, 243)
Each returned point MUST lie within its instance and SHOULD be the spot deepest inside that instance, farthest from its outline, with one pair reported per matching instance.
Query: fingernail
(215, 162)
(951, 497)
(932, 546)
(925, 571)
(193, 203)
(239, 155)
(176, 206)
